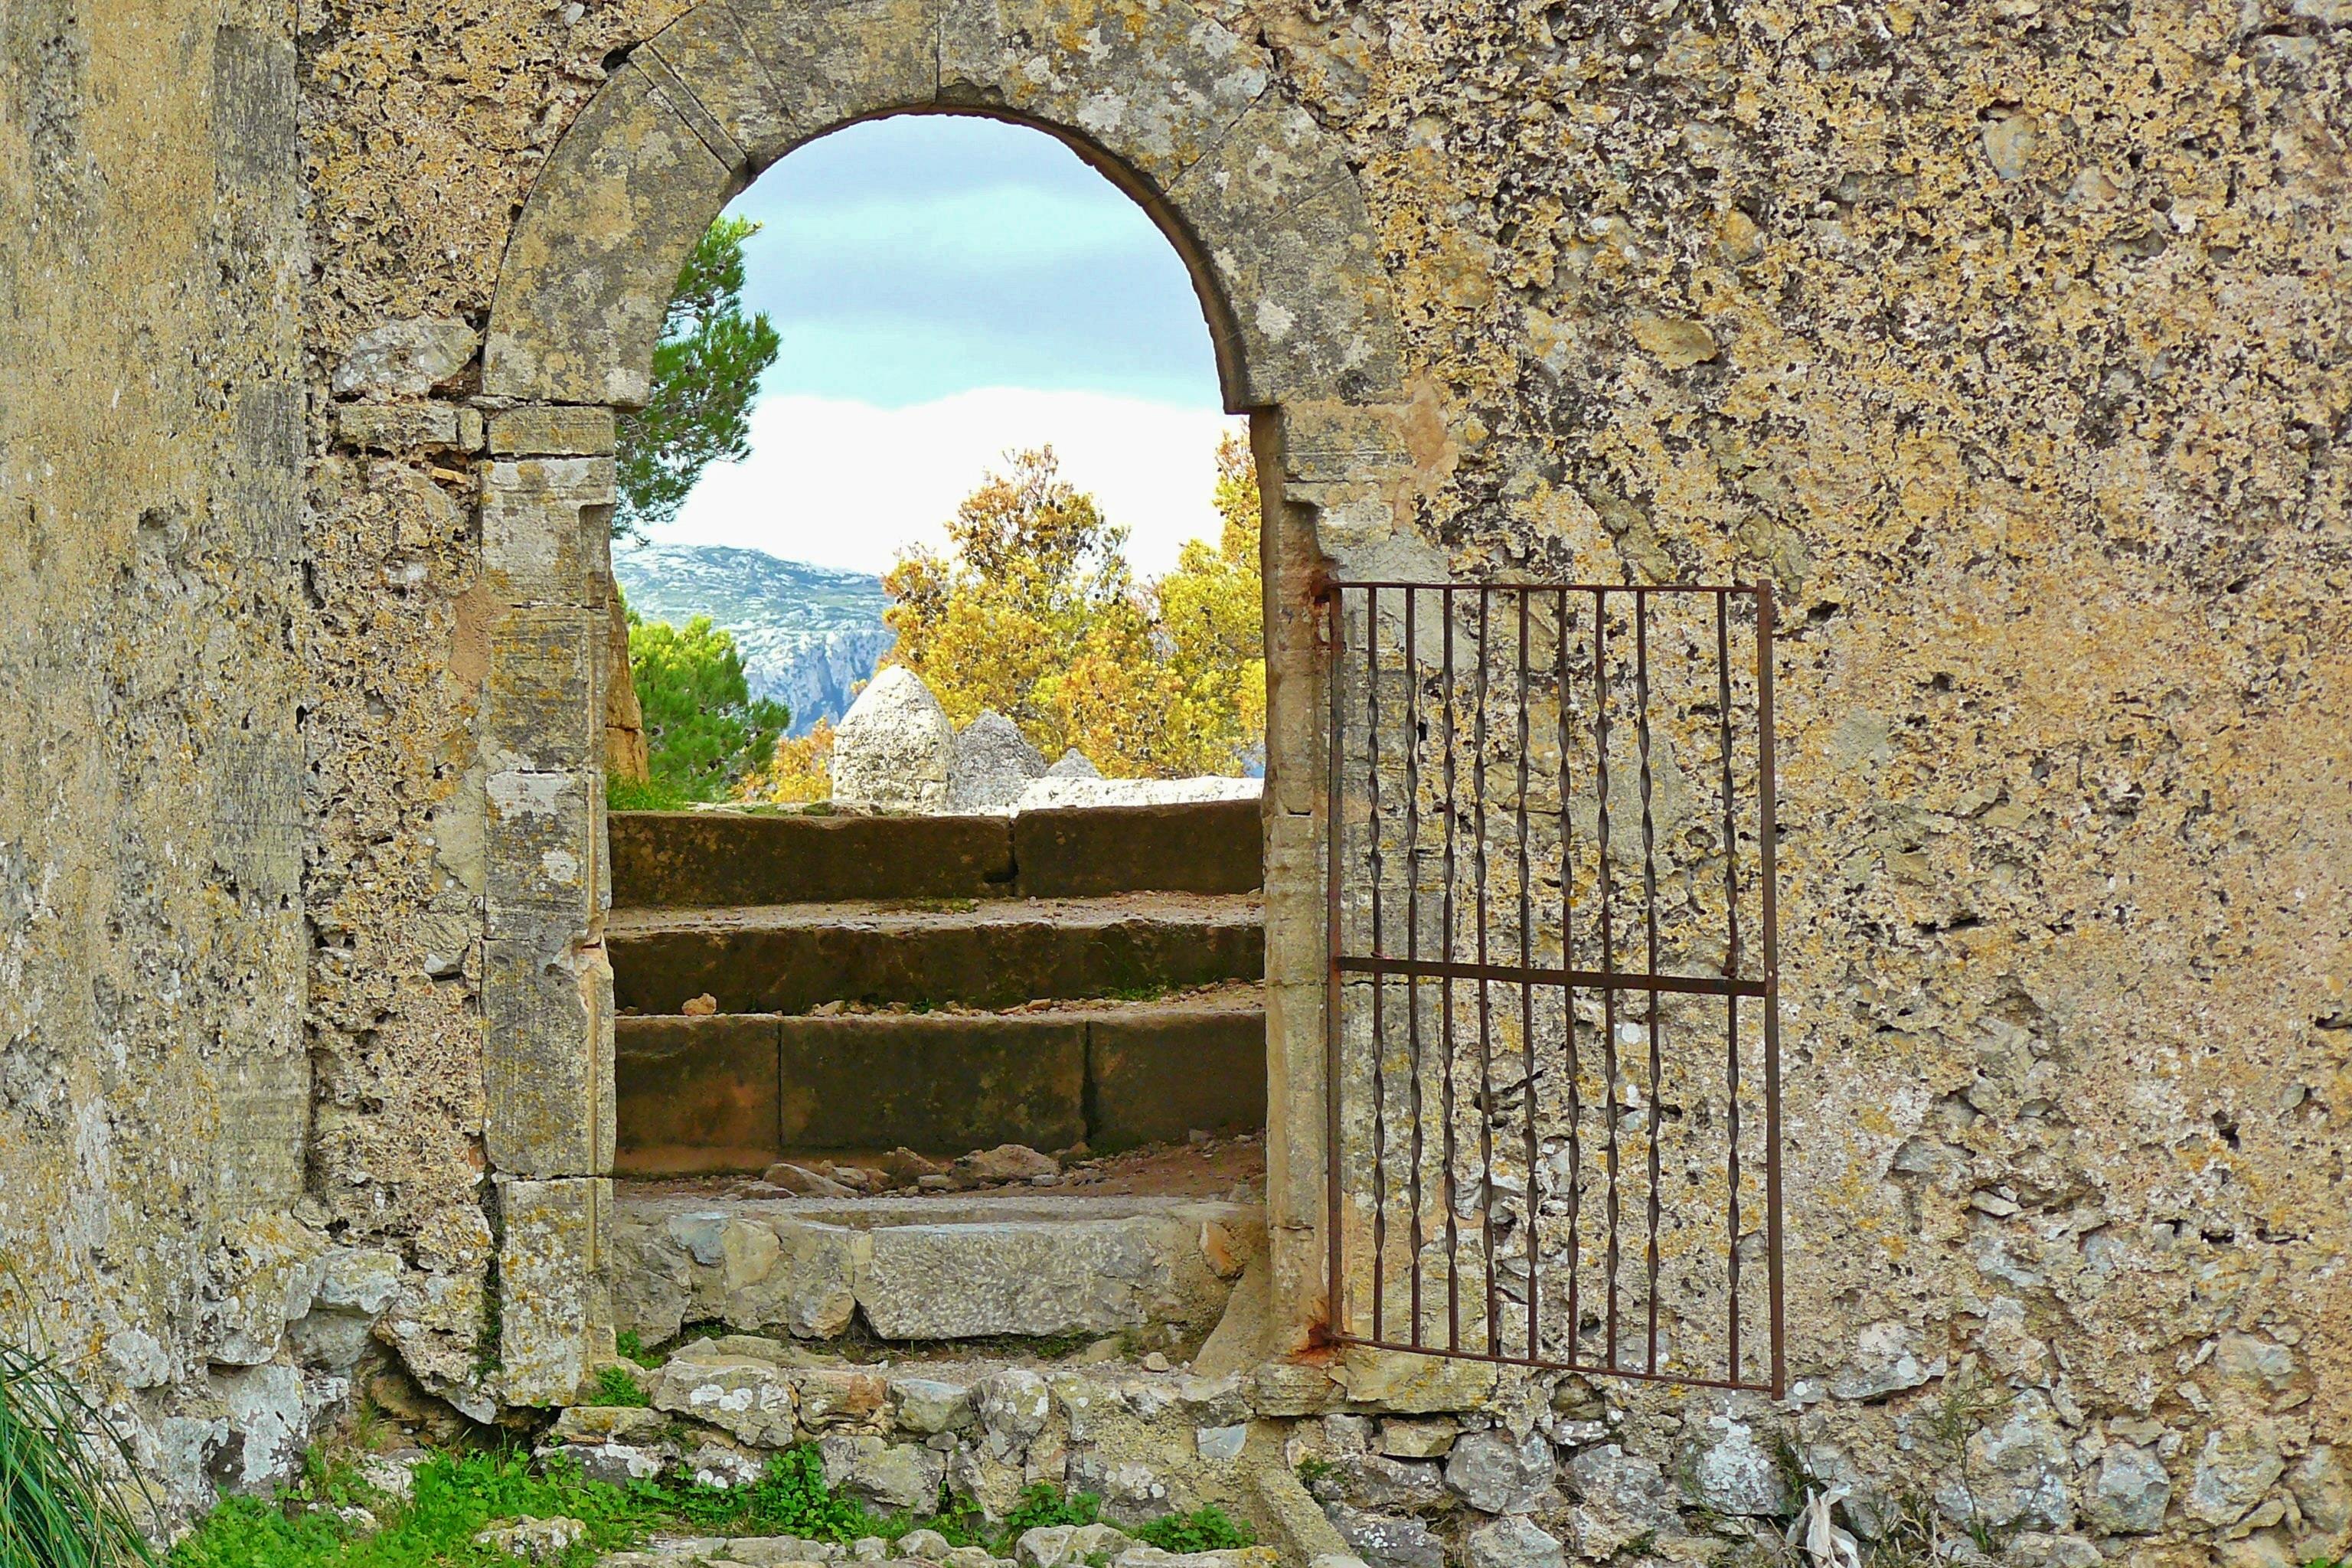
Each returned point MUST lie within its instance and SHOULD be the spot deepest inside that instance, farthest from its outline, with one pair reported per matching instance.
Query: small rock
(533, 1539)
(836, 1396)
(1386, 1540)
(405, 359)
(1046, 1546)
(2032, 1549)
(2324, 1491)
(751, 1399)
(1006, 1163)
(993, 762)
(608, 1422)
(1220, 1442)
(1514, 1543)
(1885, 1360)
(906, 1167)
(712, 1466)
(2233, 1470)
(926, 1405)
(617, 1464)
(802, 1181)
(971, 1557)
(1072, 765)
(869, 1549)
(701, 1007)
(1013, 1404)
(1496, 1473)
(1375, 1481)
(1419, 1440)
(1732, 1474)
(1155, 1362)
(898, 1476)
(392, 1474)
(2129, 1491)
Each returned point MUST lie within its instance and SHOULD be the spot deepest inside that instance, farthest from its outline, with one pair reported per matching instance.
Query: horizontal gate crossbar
(1580, 979)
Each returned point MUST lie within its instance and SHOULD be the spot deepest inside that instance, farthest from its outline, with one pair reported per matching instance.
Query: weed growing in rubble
(619, 1385)
(629, 1345)
(1204, 1529)
(59, 1503)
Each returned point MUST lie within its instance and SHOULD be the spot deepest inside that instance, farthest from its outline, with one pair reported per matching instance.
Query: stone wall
(2008, 338)
(154, 1081)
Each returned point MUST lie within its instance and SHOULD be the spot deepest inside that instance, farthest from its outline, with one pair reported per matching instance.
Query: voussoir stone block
(1289, 244)
(588, 276)
(838, 62)
(705, 65)
(555, 1317)
(1159, 86)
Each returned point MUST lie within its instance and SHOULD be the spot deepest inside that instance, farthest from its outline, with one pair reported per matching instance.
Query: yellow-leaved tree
(1033, 611)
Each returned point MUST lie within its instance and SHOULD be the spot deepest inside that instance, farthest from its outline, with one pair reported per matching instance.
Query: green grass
(60, 1504)
(626, 795)
(456, 1495)
(619, 1385)
(628, 1344)
(1204, 1529)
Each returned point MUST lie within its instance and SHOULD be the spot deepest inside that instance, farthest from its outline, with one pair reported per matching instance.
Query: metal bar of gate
(1526, 1129)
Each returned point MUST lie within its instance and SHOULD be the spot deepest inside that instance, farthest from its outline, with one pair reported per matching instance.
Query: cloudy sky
(946, 289)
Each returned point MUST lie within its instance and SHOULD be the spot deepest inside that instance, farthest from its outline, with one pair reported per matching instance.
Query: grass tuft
(61, 1506)
(619, 1385)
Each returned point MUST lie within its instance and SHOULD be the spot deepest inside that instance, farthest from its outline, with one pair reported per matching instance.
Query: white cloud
(846, 484)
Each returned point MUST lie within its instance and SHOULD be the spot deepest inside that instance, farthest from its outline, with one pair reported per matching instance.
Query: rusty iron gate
(1553, 1035)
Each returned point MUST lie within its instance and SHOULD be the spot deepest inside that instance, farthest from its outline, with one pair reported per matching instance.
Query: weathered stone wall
(154, 1084)
(2008, 339)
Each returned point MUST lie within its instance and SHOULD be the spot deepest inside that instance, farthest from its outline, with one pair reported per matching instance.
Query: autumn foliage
(1033, 611)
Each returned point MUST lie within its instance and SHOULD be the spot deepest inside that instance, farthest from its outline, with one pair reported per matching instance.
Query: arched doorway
(1261, 203)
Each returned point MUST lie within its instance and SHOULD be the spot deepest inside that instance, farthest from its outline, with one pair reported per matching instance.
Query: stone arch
(1182, 114)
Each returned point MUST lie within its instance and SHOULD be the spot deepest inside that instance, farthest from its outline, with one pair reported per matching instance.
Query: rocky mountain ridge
(810, 635)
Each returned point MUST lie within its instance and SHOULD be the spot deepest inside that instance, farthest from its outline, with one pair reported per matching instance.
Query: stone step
(705, 859)
(973, 953)
(731, 1092)
(929, 1268)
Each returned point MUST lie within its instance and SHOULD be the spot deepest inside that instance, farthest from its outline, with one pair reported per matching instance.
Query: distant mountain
(809, 634)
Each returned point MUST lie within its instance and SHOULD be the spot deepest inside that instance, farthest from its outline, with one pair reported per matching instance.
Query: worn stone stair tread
(729, 1093)
(948, 1267)
(790, 958)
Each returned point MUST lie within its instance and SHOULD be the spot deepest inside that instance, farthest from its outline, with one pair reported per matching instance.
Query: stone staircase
(941, 983)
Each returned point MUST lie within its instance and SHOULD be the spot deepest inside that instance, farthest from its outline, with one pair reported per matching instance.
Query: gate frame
(1610, 979)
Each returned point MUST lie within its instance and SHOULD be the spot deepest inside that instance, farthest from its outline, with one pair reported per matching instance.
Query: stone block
(405, 358)
(547, 530)
(689, 859)
(547, 1065)
(695, 1095)
(588, 275)
(839, 62)
(941, 1084)
(1158, 90)
(555, 1317)
(708, 70)
(1198, 847)
(541, 877)
(838, 1396)
(1291, 249)
(753, 1399)
(891, 1476)
(396, 426)
(551, 431)
(1155, 1073)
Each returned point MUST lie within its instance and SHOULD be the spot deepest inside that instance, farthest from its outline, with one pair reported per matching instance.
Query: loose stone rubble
(993, 764)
